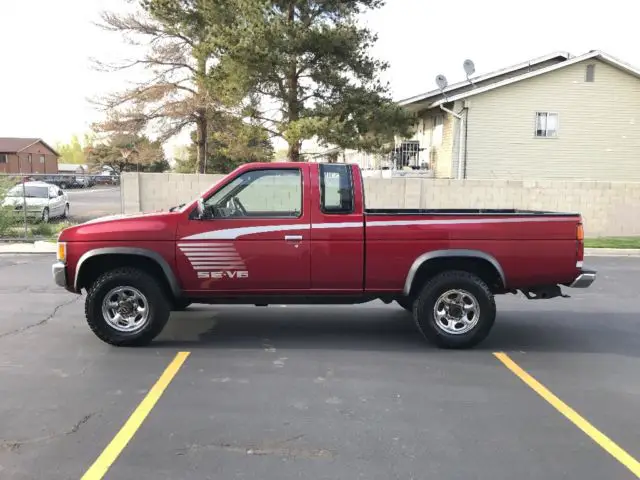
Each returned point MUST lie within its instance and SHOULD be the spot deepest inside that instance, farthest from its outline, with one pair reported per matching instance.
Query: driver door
(253, 236)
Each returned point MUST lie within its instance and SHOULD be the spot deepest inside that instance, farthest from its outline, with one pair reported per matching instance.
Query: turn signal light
(580, 232)
(61, 252)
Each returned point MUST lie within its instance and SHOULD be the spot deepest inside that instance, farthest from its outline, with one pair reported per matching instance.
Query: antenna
(441, 81)
(469, 69)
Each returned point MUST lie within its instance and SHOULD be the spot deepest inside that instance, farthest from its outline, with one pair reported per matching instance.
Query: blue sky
(46, 75)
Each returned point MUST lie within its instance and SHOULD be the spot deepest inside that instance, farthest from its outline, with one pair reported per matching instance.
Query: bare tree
(176, 93)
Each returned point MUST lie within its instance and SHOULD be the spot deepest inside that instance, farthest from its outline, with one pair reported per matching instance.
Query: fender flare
(134, 251)
(425, 257)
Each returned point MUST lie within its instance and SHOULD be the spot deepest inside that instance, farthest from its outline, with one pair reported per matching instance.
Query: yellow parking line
(596, 435)
(128, 430)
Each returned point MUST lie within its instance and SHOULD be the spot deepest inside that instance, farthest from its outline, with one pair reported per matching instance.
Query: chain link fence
(38, 206)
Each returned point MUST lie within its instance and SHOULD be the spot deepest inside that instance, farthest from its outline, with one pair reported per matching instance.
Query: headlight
(61, 252)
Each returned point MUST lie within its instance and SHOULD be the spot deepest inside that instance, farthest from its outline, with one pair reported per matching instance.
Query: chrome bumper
(584, 280)
(59, 271)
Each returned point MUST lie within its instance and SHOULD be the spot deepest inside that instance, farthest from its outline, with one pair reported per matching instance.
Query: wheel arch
(146, 258)
(442, 258)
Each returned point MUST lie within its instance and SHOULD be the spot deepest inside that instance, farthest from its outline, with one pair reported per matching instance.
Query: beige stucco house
(554, 117)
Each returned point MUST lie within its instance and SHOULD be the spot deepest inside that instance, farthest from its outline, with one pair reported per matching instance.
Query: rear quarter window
(336, 189)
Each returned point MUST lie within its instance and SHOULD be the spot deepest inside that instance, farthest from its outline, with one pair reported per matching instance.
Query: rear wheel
(455, 309)
(126, 307)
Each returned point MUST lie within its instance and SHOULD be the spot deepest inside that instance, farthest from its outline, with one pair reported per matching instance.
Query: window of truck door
(253, 235)
(337, 234)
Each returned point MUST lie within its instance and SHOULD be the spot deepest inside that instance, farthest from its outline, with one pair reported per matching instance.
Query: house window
(29, 158)
(41, 158)
(3, 158)
(591, 73)
(546, 125)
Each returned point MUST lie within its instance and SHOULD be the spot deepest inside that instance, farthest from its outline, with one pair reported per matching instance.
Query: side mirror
(200, 215)
(60, 193)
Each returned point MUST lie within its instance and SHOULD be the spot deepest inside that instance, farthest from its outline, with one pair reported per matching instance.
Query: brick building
(27, 155)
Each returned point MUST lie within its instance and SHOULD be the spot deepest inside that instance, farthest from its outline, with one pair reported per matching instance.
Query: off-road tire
(180, 304)
(423, 314)
(406, 303)
(156, 299)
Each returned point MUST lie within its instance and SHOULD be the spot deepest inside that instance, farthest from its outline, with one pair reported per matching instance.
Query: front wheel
(455, 309)
(45, 215)
(126, 307)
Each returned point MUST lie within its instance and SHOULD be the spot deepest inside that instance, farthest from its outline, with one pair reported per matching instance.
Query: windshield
(30, 191)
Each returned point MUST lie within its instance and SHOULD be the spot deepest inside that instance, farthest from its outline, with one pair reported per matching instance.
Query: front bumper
(584, 279)
(59, 271)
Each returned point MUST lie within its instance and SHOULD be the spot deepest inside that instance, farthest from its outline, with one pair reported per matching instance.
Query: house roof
(436, 98)
(16, 145)
(559, 56)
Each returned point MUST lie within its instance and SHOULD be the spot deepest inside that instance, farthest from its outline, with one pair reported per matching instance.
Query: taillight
(579, 244)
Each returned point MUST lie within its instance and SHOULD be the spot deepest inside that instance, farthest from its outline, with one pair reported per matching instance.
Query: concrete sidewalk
(27, 247)
(50, 247)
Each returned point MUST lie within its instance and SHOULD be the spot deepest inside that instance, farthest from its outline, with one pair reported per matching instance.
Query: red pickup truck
(299, 233)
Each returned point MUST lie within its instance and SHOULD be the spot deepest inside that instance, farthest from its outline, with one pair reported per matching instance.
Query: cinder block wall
(608, 208)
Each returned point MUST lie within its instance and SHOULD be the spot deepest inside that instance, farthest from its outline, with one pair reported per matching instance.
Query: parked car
(60, 180)
(294, 233)
(84, 181)
(44, 201)
(106, 178)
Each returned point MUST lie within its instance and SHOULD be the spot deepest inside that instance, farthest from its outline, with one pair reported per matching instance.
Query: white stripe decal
(337, 225)
(203, 245)
(234, 233)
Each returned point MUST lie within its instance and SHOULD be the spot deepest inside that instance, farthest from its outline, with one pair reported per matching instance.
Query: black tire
(65, 214)
(406, 303)
(424, 317)
(180, 305)
(157, 303)
(45, 215)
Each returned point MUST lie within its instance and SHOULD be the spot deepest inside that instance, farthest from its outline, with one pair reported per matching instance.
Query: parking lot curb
(35, 247)
(612, 252)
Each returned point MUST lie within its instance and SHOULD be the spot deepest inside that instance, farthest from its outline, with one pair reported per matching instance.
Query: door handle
(291, 238)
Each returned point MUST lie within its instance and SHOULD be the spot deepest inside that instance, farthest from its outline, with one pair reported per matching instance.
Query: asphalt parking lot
(89, 203)
(321, 392)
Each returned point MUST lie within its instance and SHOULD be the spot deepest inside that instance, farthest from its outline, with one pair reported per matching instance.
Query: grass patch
(612, 242)
(34, 231)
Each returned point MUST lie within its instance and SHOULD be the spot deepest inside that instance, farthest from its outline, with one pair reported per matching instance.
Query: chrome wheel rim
(456, 312)
(125, 309)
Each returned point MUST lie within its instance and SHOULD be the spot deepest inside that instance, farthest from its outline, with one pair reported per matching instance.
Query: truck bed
(464, 211)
